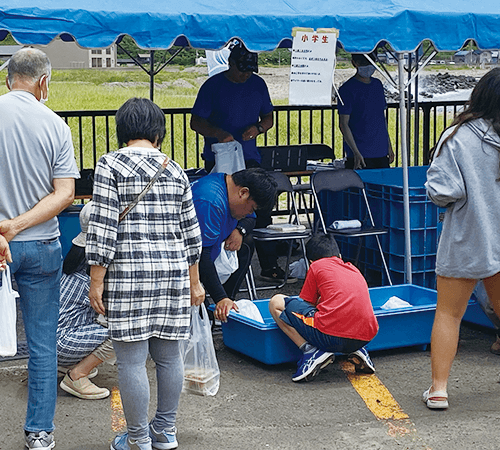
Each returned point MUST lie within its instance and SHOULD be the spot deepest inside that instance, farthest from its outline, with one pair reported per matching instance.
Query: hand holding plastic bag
(8, 334)
(201, 370)
(226, 263)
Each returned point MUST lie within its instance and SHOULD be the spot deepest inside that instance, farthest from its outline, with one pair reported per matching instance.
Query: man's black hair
(322, 246)
(261, 185)
(140, 118)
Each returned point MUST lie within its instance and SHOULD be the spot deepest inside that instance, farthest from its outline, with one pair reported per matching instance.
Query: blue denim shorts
(312, 335)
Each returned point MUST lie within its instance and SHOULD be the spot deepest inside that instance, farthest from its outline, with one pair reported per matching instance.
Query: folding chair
(339, 180)
(266, 234)
(315, 152)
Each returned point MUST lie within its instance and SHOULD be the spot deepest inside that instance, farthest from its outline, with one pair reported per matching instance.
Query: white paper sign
(311, 71)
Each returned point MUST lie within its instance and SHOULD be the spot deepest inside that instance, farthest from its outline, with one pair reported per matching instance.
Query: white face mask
(366, 71)
(43, 100)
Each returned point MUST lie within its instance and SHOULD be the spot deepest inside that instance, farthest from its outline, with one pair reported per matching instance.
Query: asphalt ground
(259, 407)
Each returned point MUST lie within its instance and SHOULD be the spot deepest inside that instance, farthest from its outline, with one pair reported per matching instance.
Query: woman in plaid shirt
(144, 270)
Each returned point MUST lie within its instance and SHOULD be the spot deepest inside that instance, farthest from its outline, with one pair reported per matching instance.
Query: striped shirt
(148, 254)
(78, 333)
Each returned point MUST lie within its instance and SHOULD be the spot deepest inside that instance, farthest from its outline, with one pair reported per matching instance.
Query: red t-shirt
(340, 294)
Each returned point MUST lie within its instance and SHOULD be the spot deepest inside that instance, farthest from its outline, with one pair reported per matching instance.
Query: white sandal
(436, 400)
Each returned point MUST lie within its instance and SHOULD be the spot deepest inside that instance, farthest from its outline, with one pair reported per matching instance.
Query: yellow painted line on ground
(117, 417)
(377, 397)
(382, 404)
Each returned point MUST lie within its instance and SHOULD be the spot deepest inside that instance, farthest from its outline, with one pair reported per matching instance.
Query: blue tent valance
(261, 24)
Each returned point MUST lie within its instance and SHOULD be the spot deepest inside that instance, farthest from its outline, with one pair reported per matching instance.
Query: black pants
(371, 163)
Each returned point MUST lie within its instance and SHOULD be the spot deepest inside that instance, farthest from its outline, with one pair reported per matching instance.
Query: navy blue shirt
(365, 105)
(233, 107)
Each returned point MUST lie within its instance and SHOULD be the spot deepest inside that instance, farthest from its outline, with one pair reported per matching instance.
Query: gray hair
(28, 64)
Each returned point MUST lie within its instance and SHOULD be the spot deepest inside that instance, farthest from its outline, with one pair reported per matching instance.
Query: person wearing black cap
(235, 105)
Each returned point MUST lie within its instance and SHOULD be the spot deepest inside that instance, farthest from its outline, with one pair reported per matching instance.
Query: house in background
(68, 55)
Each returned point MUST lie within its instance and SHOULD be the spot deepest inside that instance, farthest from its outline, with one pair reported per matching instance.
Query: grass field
(90, 90)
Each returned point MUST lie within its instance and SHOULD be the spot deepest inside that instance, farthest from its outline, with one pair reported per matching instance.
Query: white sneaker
(39, 441)
(83, 388)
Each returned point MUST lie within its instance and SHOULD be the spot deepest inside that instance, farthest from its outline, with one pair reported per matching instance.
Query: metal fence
(94, 135)
(94, 131)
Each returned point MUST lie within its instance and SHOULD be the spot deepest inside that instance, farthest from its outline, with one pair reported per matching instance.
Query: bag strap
(134, 202)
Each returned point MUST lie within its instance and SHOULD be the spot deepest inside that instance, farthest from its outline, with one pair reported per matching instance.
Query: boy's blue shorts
(304, 310)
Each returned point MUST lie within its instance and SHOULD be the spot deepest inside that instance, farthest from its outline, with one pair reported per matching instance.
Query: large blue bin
(69, 226)
(401, 327)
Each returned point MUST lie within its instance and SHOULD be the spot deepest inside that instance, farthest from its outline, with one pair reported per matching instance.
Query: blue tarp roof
(262, 24)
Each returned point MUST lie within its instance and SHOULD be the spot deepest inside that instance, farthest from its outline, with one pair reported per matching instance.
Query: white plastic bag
(249, 309)
(201, 370)
(226, 264)
(8, 334)
(228, 157)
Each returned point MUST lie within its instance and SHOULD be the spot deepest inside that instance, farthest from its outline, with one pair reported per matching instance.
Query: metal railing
(94, 133)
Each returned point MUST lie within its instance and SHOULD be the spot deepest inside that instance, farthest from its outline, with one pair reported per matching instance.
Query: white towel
(394, 303)
(345, 224)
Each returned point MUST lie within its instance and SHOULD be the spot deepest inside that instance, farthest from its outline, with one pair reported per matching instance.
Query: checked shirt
(148, 254)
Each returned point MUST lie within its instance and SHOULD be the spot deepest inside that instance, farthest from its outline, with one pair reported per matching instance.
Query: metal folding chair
(267, 235)
(339, 180)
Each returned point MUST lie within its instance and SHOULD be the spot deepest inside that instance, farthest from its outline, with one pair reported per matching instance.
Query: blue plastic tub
(474, 314)
(69, 226)
(403, 327)
(264, 342)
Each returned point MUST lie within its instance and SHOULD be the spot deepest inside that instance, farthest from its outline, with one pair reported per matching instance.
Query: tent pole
(151, 74)
(404, 154)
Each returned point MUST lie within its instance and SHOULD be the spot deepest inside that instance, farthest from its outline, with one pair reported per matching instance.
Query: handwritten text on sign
(311, 71)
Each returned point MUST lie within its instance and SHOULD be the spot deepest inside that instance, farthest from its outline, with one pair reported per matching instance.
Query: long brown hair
(484, 103)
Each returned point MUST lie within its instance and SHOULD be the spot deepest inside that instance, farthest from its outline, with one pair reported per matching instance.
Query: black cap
(243, 59)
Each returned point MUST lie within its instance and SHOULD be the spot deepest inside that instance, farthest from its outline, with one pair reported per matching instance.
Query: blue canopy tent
(262, 25)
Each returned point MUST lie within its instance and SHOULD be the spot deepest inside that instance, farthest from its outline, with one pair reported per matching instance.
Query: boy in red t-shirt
(334, 313)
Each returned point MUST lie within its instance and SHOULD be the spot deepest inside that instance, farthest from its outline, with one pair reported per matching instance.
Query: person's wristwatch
(260, 128)
(242, 230)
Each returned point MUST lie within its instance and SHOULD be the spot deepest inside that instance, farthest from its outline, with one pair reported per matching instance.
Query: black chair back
(336, 180)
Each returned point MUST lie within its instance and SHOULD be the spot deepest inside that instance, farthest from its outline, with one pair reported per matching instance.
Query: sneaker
(361, 360)
(277, 275)
(163, 440)
(122, 442)
(64, 370)
(39, 441)
(311, 363)
(83, 388)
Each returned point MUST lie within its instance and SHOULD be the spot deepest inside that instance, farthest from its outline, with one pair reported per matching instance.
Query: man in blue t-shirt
(221, 200)
(362, 119)
(235, 105)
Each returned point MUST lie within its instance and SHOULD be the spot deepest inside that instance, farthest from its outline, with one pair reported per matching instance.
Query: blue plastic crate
(69, 226)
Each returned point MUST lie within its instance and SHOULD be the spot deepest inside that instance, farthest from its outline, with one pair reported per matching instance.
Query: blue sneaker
(361, 360)
(163, 440)
(311, 363)
(122, 442)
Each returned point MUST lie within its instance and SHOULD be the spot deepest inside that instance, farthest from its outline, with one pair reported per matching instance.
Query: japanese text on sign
(312, 67)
